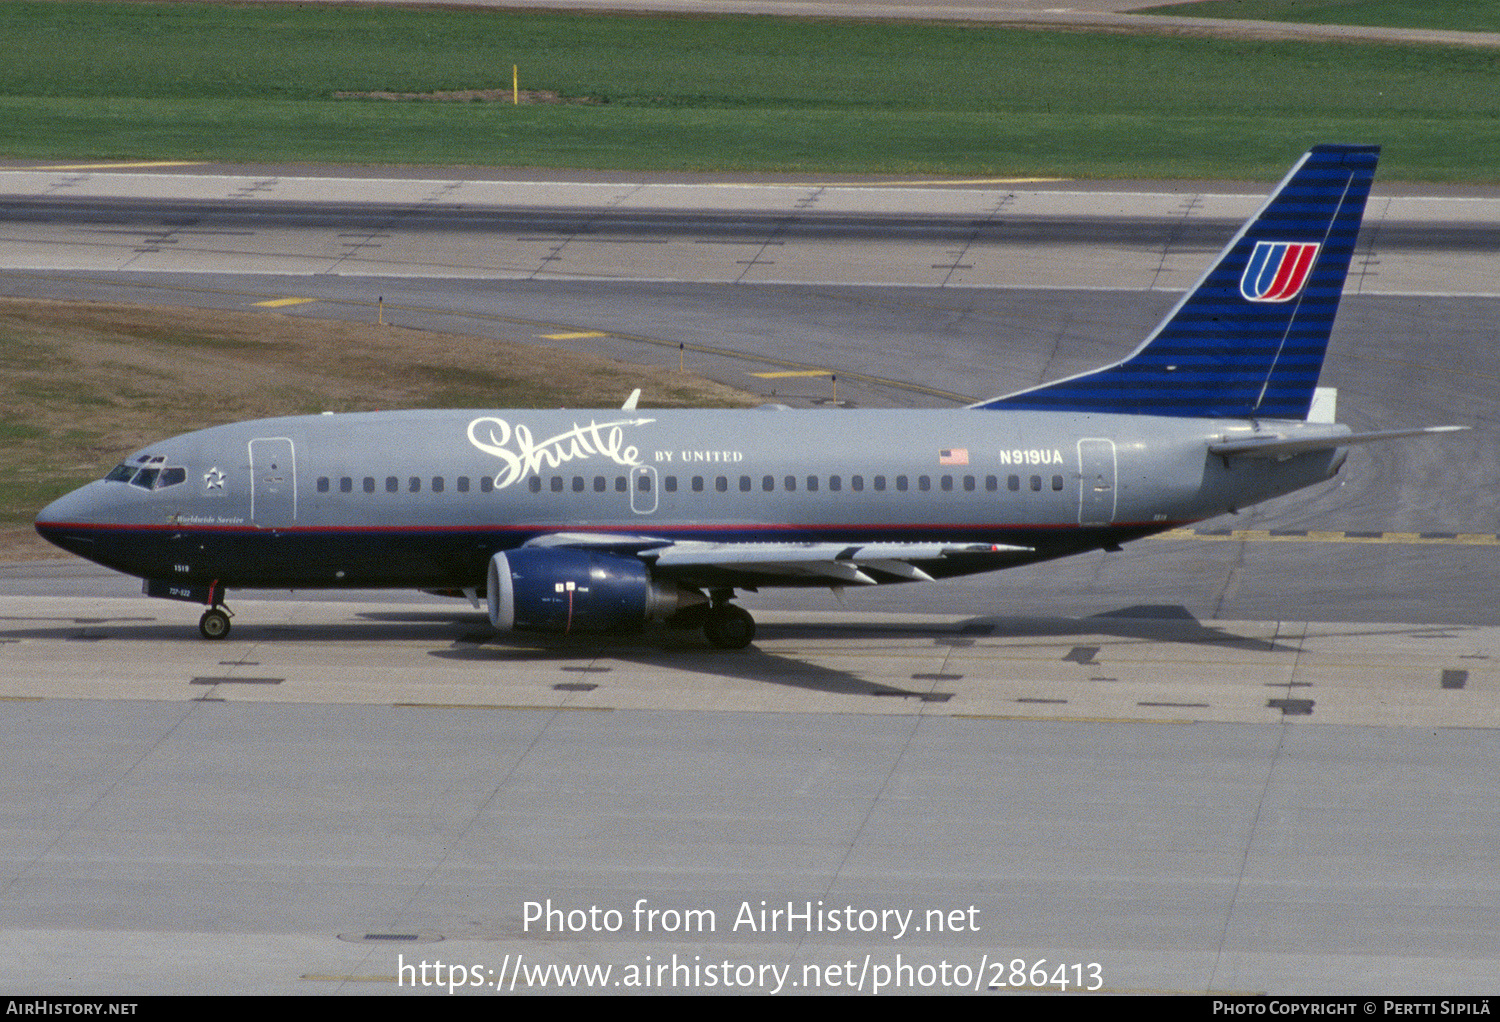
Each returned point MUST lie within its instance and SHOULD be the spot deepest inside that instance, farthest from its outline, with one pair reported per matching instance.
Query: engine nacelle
(562, 589)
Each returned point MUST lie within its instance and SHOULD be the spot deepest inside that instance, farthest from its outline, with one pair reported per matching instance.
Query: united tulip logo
(1278, 270)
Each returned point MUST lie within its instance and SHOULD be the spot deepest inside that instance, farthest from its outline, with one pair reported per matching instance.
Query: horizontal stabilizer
(1283, 447)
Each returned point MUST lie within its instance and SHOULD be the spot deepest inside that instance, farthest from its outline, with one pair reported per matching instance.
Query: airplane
(600, 520)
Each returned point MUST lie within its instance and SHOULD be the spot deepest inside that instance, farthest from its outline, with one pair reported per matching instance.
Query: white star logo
(213, 479)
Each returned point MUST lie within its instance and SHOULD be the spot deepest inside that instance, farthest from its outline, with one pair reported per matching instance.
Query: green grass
(1457, 15)
(251, 84)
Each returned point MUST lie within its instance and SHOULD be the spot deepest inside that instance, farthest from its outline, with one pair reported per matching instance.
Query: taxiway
(1251, 758)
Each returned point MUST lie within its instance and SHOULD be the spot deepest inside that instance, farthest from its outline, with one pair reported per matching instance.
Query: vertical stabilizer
(1248, 340)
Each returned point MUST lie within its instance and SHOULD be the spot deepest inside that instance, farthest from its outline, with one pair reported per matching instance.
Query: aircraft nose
(61, 522)
(67, 508)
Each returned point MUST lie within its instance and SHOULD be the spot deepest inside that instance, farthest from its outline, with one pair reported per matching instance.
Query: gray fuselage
(425, 498)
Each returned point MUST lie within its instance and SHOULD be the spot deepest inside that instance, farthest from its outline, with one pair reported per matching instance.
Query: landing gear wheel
(214, 624)
(729, 627)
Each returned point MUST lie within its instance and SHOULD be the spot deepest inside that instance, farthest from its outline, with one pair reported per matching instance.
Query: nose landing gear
(214, 624)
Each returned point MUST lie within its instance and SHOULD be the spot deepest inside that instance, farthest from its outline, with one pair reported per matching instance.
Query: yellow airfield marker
(573, 337)
(276, 303)
(118, 166)
(799, 372)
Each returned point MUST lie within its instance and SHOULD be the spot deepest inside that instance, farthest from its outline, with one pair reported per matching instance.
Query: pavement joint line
(1335, 536)
(499, 706)
(1060, 719)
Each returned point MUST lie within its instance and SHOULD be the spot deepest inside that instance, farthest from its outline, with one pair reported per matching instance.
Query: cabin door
(1096, 482)
(273, 482)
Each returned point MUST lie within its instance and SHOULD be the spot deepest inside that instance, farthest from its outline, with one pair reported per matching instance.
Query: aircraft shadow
(465, 636)
(588, 656)
(686, 650)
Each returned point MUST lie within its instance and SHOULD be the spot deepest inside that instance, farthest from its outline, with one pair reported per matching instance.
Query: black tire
(729, 627)
(214, 624)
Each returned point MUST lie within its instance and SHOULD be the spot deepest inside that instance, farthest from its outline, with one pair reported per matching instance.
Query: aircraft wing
(834, 563)
(829, 563)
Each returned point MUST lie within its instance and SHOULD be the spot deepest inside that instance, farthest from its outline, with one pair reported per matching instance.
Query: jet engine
(563, 589)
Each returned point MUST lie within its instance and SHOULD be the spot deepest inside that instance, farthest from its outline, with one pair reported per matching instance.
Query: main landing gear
(728, 626)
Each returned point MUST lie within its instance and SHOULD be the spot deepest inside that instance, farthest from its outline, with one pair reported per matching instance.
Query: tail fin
(1248, 340)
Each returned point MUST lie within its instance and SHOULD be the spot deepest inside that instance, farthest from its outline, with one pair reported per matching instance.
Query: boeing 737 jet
(574, 521)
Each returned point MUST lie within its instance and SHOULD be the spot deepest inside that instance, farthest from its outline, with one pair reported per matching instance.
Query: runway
(1249, 758)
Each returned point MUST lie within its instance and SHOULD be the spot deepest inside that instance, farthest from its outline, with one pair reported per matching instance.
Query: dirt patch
(527, 97)
(84, 383)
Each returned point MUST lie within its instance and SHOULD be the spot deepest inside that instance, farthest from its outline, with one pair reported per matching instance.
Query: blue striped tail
(1248, 340)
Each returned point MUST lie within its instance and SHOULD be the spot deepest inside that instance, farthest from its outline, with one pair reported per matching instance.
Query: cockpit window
(149, 472)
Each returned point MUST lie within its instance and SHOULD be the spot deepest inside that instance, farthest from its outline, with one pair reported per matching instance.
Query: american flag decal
(954, 456)
(1278, 270)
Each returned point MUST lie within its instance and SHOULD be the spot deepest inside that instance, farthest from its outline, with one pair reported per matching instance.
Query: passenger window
(598, 484)
(947, 484)
(437, 484)
(534, 484)
(1013, 483)
(1057, 483)
(968, 484)
(486, 484)
(768, 483)
(620, 484)
(901, 483)
(697, 484)
(812, 484)
(463, 484)
(669, 483)
(880, 483)
(722, 484)
(578, 484)
(991, 483)
(346, 485)
(924, 483)
(643, 482)
(834, 482)
(744, 484)
(414, 484)
(556, 484)
(392, 484)
(369, 484)
(323, 484)
(858, 483)
(1036, 484)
